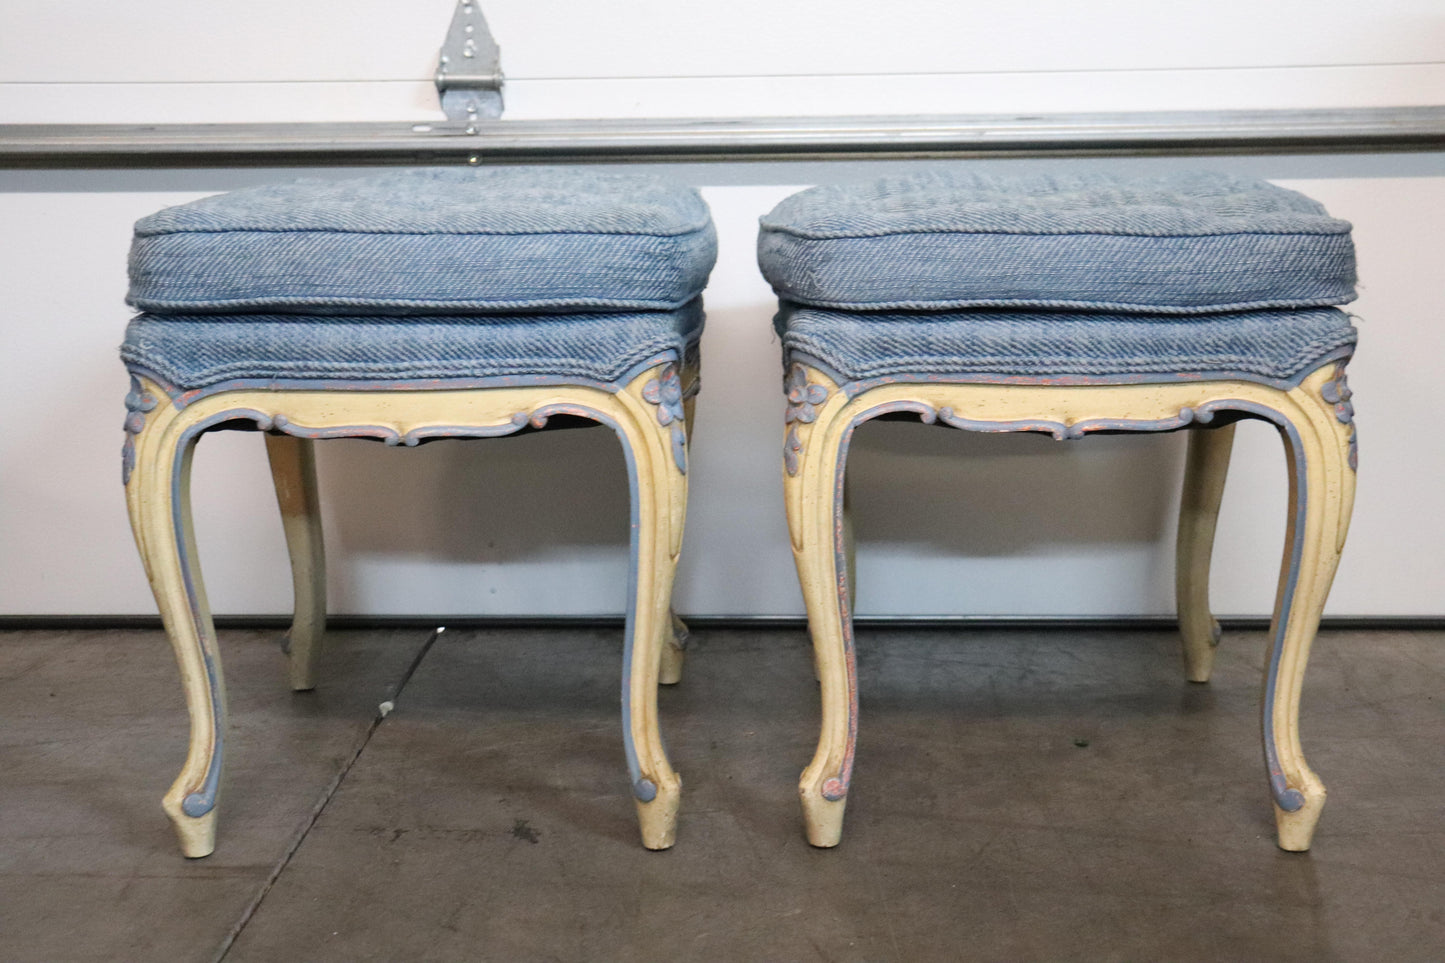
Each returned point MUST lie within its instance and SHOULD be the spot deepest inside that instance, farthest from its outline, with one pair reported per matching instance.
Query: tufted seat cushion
(427, 242)
(1189, 243)
(197, 351)
(1272, 346)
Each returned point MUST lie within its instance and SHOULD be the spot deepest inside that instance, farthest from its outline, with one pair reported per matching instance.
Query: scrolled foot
(657, 818)
(197, 834)
(822, 817)
(1296, 829)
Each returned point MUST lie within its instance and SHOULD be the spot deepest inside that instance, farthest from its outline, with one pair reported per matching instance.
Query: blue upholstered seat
(197, 351)
(1192, 243)
(1271, 346)
(425, 242)
(425, 274)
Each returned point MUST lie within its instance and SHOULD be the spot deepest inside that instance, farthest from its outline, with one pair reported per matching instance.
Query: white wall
(948, 522)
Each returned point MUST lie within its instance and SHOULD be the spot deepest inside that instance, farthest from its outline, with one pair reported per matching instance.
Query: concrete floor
(1018, 796)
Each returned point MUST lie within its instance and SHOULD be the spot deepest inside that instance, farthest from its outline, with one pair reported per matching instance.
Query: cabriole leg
(293, 469)
(659, 493)
(1319, 449)
(158, 497)
(1204, 474)
(813, 464)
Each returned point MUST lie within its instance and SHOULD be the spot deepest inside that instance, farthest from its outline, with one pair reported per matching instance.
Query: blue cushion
(425, 242)
(1256, 345)
(1177, 244)
(196, 351)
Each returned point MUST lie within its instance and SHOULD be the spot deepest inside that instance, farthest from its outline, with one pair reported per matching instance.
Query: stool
(408, 307)
(1070, 306)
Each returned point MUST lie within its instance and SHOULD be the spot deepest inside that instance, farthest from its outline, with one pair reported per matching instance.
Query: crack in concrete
(382, 711)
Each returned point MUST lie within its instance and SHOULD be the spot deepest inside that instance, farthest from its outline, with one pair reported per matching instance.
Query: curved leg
(659, 495)
(1204, 474)
(293, 469)
(158, 497)
(1319, 444)
(815, 452)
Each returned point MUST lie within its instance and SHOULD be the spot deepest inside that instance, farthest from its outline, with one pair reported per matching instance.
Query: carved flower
(1338, 393)
(138, 403)
(665, 391)
(803, 398)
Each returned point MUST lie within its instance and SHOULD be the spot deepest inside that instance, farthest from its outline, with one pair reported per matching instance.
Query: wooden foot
(1295, 830)
(293, 469)
(822, 818)
(1205, 470)
(197, 835)
(657, 819)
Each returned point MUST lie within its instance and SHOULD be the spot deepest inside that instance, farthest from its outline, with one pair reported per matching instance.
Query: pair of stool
(478, 303)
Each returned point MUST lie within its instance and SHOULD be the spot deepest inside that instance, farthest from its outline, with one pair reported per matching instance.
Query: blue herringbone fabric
(194, 351)
(425, 242)
(1189, 243)
(1276, 345)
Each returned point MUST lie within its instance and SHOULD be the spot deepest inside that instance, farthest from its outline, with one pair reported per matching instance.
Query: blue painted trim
(203, 800)
(1078, 429)
(1286, 797)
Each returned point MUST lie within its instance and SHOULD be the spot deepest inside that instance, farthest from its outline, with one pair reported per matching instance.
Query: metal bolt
(474, 159)
(471, 130)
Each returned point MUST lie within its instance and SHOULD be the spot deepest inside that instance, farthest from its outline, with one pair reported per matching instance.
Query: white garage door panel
(168, 41)
(175, 41)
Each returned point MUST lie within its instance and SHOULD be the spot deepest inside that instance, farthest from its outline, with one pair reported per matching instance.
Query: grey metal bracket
(469, 74)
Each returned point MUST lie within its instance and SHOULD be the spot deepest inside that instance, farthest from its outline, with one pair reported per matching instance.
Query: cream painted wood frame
(1315, 419)
(649, 411)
